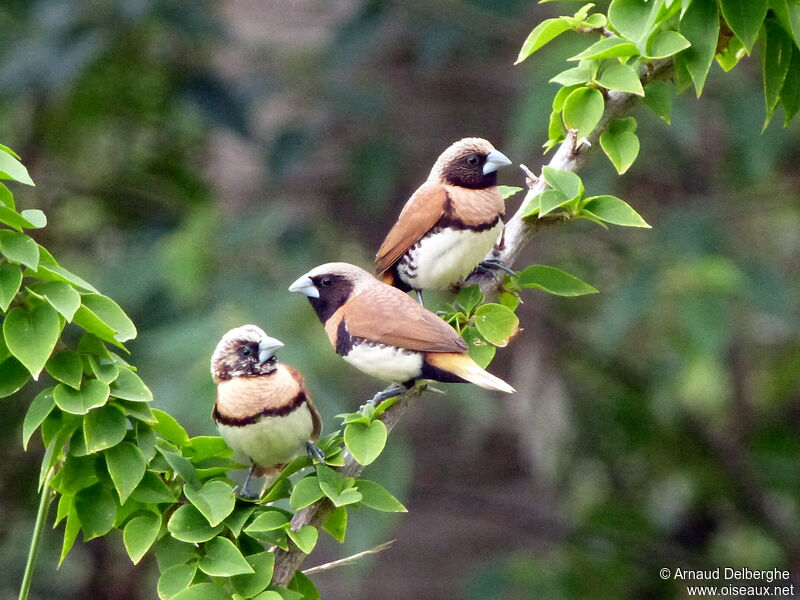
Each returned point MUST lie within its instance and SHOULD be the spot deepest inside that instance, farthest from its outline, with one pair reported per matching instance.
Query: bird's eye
(246, 351)
(473, 160)
(326, 281)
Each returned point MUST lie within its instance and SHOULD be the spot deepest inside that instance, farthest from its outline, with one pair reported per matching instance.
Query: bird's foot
(419, 297)
(390, 392)
(494, 264)
(313, 452)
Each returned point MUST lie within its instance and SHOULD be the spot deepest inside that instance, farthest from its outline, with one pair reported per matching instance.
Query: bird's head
(330, 285)
(470, 163)
(244, 351)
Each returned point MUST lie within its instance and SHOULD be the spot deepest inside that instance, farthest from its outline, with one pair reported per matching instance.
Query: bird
(263, 409)
(449, 224)
(385, 333)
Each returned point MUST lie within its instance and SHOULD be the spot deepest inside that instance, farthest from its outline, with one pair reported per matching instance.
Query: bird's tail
(463, 366)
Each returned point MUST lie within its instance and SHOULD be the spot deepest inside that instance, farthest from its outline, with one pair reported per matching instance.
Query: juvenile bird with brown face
(449, 224)
(384, 333)
(263, 409)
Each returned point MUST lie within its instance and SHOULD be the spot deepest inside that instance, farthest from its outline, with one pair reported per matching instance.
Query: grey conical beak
(494, 161)
(304, 285)
(267, 348)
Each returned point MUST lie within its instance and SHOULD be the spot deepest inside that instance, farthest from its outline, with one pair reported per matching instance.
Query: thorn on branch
(530, 178)
(348, 560)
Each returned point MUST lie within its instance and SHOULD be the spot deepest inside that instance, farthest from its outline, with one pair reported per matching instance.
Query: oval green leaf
(11, 168)
(19, 248)
(92, 394)
(223, 559)
(554, 281)
(745, 18)
(612, 47)
(583, 109)
(62, 296)
(203, 591)
(544, 32)
(621, 78)
(67, 367)
(10, 280)
(248, 585)
(305, 538)
(376, 496)
(126, 465)
(480, 350)
(666, 44)
(41, 406)
(31, 336)
(215, 500)
(13, 375)
(496, 323)
(269, 520)
(621, 149)
(129, 386)
(304, 493)
(103, 428)
(613, 210)
(96, 509)
(365, 442)
(188, 525)
(174, 580)
(139, 534)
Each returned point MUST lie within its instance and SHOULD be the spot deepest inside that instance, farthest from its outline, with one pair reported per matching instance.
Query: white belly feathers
(385, 362)
(272, 440)
(441, 259)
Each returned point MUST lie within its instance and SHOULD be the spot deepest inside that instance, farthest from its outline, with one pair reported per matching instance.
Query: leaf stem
(36, 540)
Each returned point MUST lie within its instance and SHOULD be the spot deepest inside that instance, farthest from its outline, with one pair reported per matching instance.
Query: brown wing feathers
(388, 316)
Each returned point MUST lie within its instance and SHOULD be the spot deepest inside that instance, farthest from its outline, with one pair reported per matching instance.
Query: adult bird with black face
(450, 224)
(263, 409)
(383, 332)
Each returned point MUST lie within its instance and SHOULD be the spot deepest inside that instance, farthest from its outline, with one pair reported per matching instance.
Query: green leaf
(554, 281)
(621, 149)
(583, 109)
(182, 467)
(549, 200)
(790, 94)
(169, 428)
(41, 406)
(103, 428)
(78, 473)
(13, 375)
(153, 490)
(375, 496)
(102, 316)
(104, 369)
(730, 55)
(248, 585)
(622, 78)
(469, 297)
(139, 534)
(215, 500)
(170, 551)
(566, 182)
(96, 509)
(777, 50)
(302, 584)
(187, 524)
(788, 15)
(630, 18)
(613, 210)
(203, 591)
(19, 248)
(338, 489)
(365, 441)
(577, 75)
(305, 538)
(62, 296)
(129, 386)
(555, 130)
(744, 18)
(543, 33)
(175, 579)
(237, 519)
(208, 446)
(53, 272)
(480, 350)
(223, 559)
(336, 524)
(658, 96)
(700, 25)
(666, 44)
(305, 492)
(71, 529)
(31, 336)
(270, 520)
(92, 394)
(496, 323)
(126, 465)
(66, 366)
(10, 280)
(35, 217)
(506, 191)
(270, 595)
(613, 47)
(11, 168)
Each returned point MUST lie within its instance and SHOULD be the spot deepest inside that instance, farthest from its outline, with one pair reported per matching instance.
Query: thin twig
(349, 560)
(288, 561)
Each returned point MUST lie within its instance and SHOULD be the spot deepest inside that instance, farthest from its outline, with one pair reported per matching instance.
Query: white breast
(272, 440)
(443, 258)
(385, 362)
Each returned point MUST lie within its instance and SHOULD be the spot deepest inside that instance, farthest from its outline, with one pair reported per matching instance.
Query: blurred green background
(195, 157)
